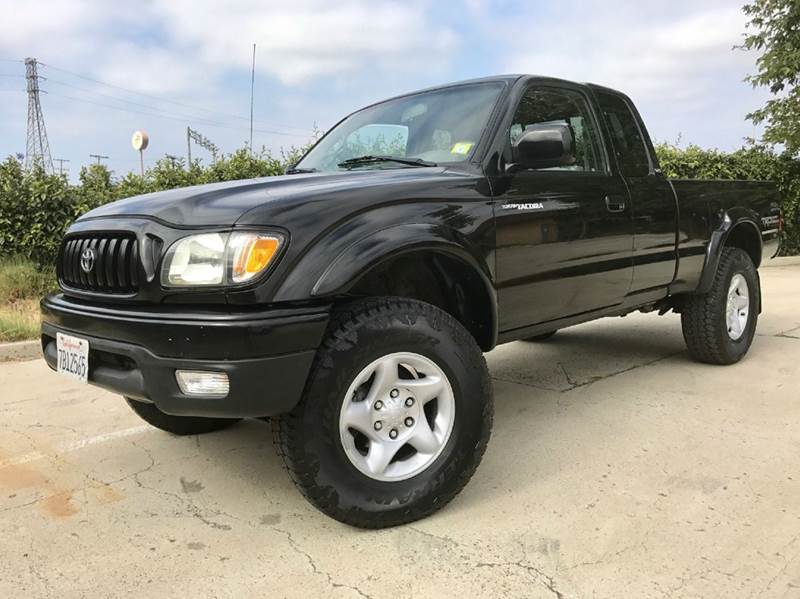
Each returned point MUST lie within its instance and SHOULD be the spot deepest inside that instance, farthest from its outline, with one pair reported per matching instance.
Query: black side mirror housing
(543, 146)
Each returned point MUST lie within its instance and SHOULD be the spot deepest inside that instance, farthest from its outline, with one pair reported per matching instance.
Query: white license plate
(73, 356)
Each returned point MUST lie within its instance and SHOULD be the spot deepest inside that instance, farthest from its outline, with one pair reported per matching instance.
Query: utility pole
(252, 86)
(37, 150)
(98, 157)
(61, 162)
(188, 147)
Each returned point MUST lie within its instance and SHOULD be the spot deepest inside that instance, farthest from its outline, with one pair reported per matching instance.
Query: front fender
(359, 258)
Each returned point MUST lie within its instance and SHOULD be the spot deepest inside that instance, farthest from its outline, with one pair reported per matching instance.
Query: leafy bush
(35, 209)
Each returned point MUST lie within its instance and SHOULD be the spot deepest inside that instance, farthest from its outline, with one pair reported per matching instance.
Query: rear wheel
(178, 425)
(720, 325)
(395, 416)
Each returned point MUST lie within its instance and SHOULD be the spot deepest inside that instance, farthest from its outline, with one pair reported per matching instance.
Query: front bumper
(135, 352)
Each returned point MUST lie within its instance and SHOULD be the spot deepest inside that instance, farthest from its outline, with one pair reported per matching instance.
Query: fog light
(198, 382)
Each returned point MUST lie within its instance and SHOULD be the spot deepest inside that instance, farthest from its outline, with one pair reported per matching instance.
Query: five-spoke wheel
(397, 416)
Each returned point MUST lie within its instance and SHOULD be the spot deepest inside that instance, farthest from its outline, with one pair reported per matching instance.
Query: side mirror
(543, 146)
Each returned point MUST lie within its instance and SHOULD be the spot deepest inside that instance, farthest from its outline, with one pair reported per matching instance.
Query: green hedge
(36, 208)
(752, 162)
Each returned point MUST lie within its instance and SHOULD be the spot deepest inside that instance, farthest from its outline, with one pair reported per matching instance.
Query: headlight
(219, 258)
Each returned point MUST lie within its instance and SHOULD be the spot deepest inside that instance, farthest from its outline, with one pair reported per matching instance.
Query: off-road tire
(308, 438)
(178, 425)
(703, 317)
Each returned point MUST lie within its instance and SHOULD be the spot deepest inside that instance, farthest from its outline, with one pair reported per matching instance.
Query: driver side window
(540, 106)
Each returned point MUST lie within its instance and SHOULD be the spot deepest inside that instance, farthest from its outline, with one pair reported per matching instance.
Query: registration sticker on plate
(73, 356)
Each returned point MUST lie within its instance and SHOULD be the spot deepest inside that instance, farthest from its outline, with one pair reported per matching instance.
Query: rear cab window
(627, 139)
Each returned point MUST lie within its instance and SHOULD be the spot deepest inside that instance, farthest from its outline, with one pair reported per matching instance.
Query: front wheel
(395, 417)
(720, 325)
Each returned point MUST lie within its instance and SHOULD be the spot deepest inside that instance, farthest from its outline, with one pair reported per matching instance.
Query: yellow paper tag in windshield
(462, 147)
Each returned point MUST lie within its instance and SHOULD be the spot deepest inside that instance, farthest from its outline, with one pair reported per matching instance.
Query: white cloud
(676, 64)
(306, 38)
(154, 42)
(669, 59)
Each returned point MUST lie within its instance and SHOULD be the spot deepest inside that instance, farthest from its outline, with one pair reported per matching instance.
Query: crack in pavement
(190, 507)
(539, 576)
(787, 561)
(430, 535)
(316, 569)
(595, 379)
(531, 385)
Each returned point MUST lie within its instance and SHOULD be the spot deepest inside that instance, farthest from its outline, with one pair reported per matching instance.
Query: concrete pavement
(617, 468)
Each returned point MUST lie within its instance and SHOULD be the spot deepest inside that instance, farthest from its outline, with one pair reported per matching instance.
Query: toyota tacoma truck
(351, 299)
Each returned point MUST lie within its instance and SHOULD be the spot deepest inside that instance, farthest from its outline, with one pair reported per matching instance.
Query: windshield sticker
(462, 147)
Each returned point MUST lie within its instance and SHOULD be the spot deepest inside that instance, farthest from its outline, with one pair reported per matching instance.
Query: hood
(223, 204)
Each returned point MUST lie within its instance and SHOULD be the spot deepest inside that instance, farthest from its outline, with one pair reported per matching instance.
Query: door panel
(655, 222)
(560, 251)
(564, 233)
(654, 205)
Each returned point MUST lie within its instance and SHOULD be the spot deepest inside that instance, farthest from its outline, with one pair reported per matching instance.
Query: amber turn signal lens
(253, 253)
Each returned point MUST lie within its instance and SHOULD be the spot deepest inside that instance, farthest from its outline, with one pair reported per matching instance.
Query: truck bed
(701, 206)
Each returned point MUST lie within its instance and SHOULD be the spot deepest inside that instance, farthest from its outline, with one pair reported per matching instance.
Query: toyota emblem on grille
(87, 260)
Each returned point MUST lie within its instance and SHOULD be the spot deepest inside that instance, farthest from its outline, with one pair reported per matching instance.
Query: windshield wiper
(360, 160)
(298, 171)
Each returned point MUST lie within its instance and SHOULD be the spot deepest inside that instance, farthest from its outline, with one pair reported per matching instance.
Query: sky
(111, 68)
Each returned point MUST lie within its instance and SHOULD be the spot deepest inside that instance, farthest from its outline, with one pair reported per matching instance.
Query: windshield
(440, 126)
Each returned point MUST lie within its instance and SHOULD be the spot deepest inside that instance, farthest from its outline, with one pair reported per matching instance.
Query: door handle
(615, 203)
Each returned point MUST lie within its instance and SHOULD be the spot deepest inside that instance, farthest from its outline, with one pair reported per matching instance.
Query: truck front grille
(102, 263)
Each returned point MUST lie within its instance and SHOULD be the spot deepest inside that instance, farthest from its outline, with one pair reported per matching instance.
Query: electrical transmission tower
(37, 151)
(200, 140)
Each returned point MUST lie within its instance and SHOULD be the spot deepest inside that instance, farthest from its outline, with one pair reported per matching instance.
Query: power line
(167, 116)
(168, 100)
(160, 111)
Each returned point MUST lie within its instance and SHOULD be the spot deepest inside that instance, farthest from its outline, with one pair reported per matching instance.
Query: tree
(774, 31)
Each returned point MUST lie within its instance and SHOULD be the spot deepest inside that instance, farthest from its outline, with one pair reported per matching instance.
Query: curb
(20, 350)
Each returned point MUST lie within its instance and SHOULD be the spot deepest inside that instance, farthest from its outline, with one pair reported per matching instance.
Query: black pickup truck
(351, 299)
